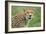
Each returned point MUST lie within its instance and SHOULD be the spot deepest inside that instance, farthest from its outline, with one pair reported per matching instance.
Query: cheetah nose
(29, 15)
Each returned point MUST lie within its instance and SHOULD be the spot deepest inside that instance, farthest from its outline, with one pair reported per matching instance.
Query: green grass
(36, 21)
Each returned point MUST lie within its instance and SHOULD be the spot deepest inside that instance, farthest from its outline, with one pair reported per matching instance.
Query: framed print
(24, 16)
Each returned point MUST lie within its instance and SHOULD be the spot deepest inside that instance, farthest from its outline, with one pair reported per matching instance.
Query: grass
(36, 21)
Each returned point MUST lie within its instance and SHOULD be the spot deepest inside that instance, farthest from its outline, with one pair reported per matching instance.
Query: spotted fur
(18, 21)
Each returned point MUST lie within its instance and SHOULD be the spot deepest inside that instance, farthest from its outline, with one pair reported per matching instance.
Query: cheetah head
(28, 13)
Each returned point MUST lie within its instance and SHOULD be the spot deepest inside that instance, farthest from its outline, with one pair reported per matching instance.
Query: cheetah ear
(24, 10)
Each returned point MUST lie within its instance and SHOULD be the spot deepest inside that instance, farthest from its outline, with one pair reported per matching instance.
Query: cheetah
(19, 20)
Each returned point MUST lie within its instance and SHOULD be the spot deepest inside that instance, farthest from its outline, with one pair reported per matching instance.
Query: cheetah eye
(31, 12)
(27, 12)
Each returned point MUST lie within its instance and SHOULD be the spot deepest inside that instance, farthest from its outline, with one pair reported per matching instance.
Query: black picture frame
(6, 16)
